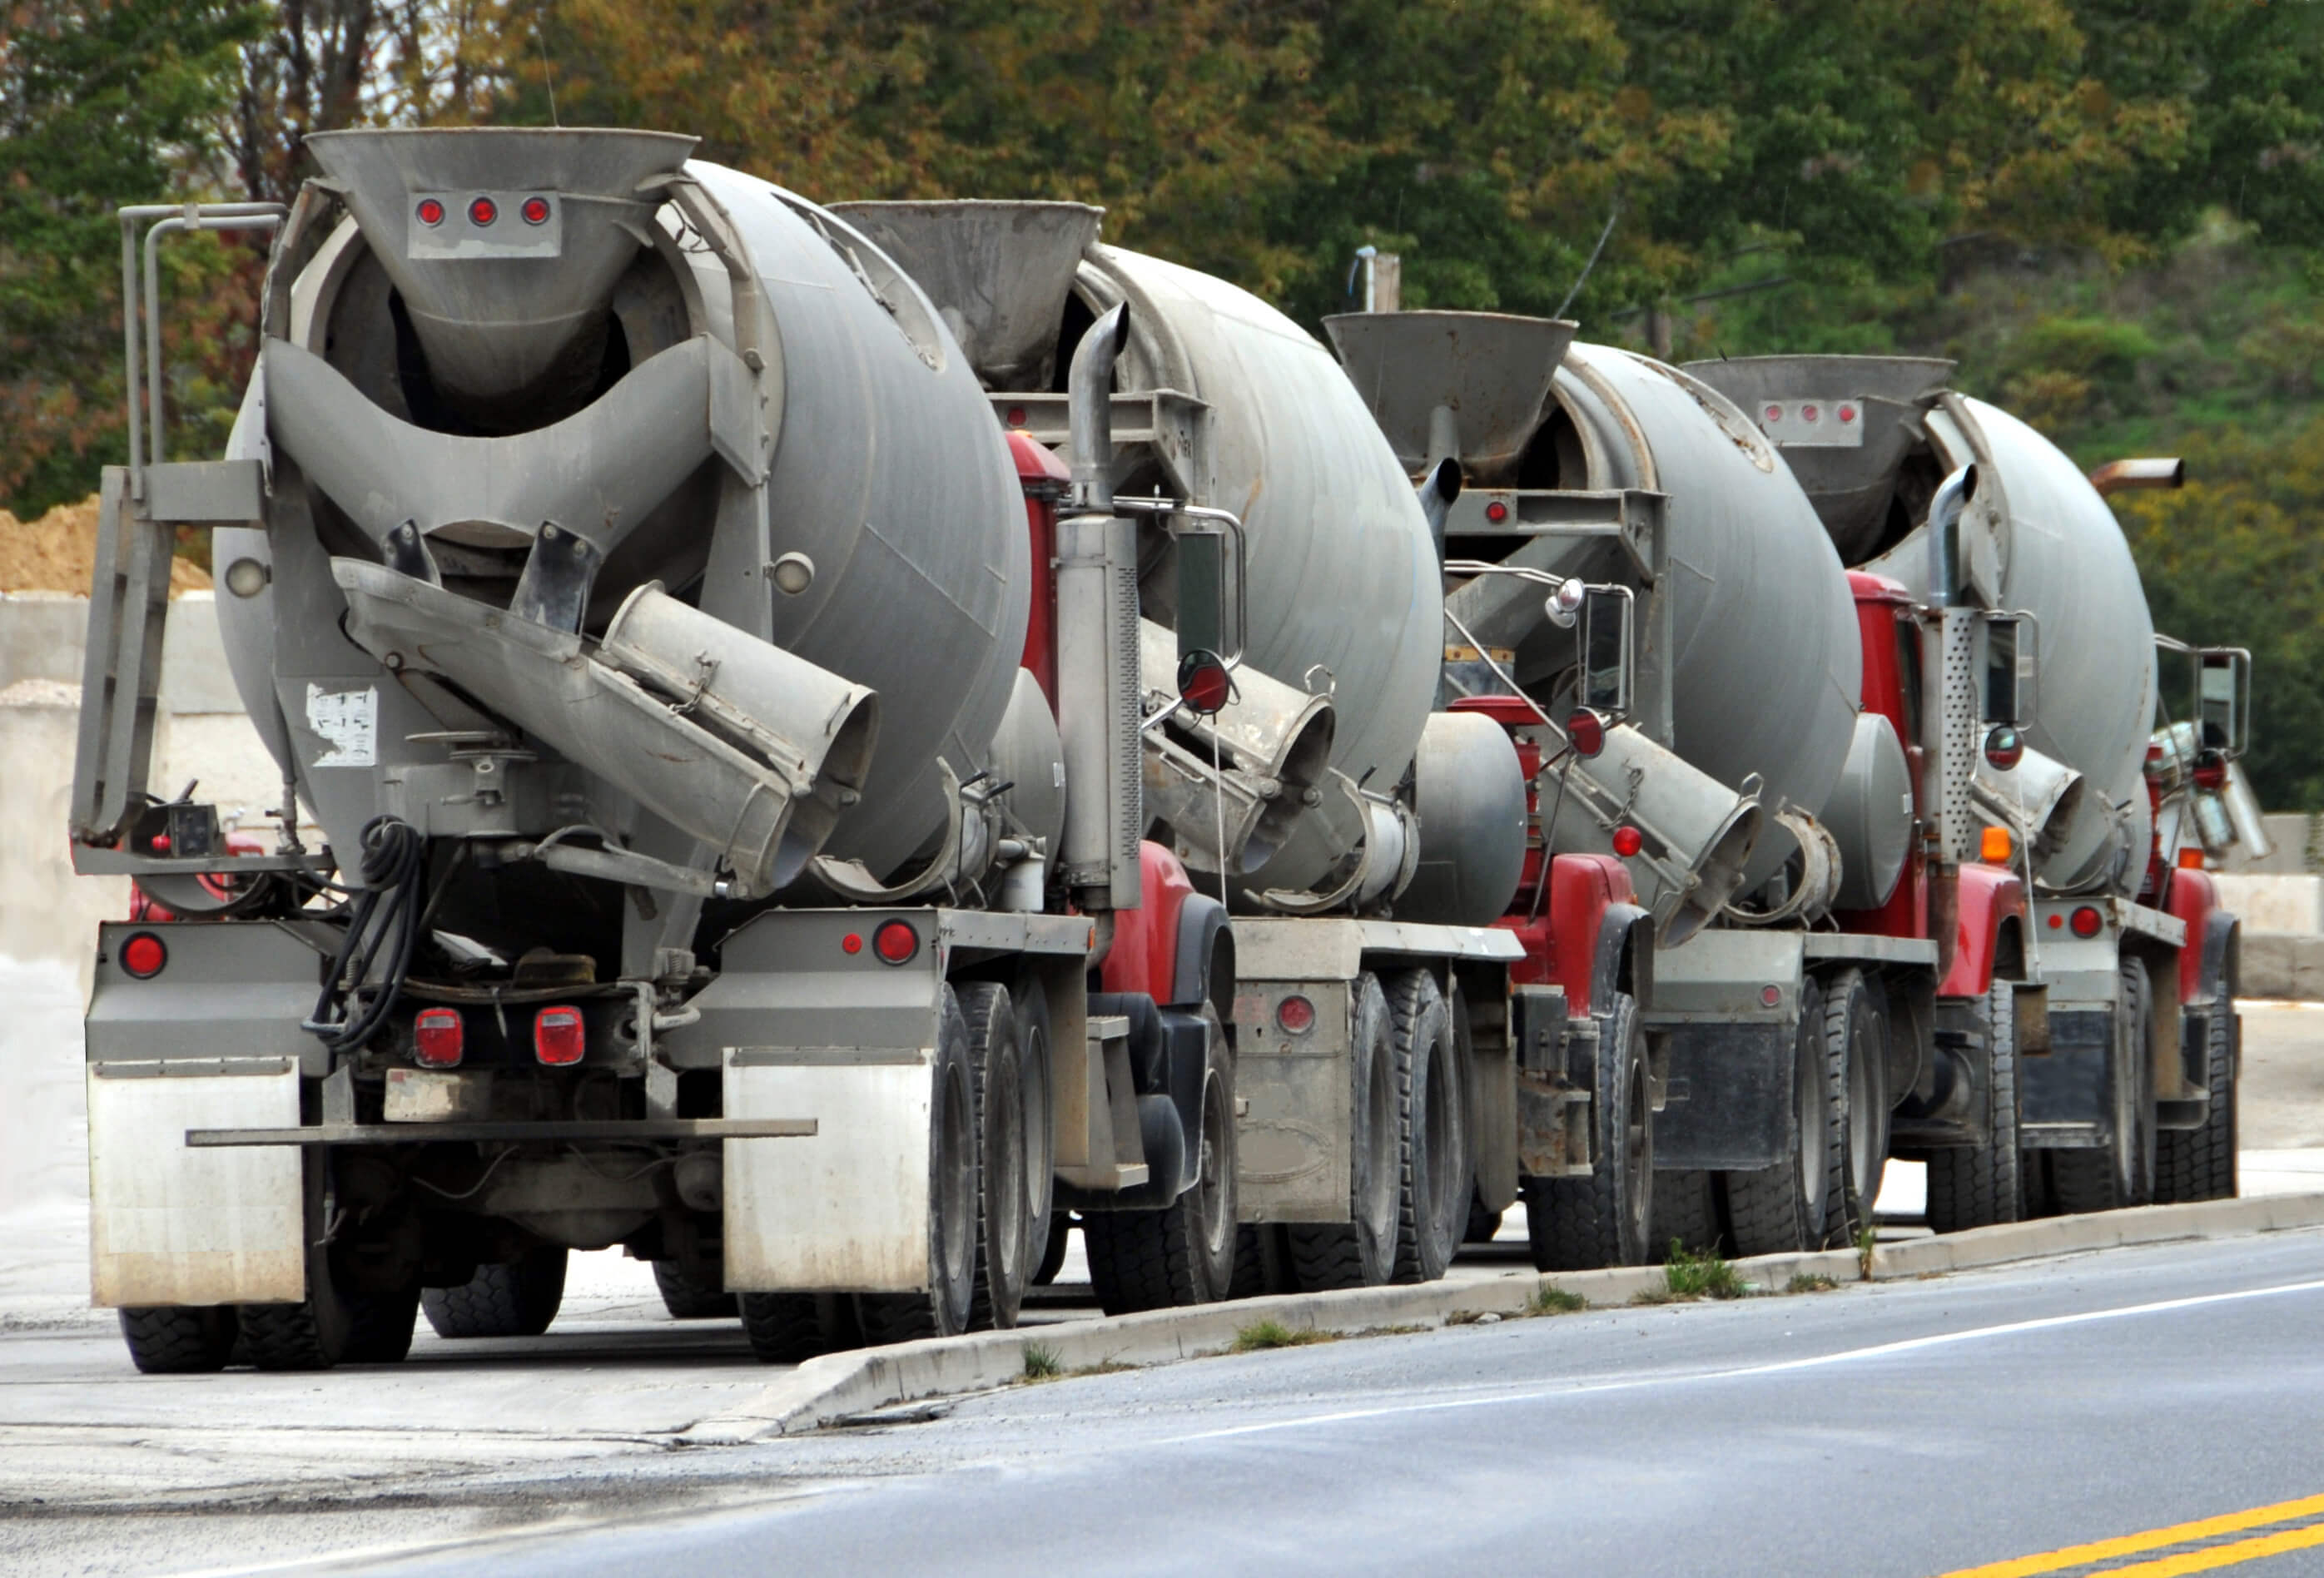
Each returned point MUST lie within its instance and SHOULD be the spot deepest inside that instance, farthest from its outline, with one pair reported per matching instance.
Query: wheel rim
(1218, 1223)
(1815, 1140)
(1441, 1127)
(1637, 1151)
(1033, 1085)
(1863, 1122)
(958, 1189)
(1378, 1223)
(1004, 1187)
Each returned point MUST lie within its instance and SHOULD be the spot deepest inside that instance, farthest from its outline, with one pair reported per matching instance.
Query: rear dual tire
(1183, 1253)
(1582, 1223)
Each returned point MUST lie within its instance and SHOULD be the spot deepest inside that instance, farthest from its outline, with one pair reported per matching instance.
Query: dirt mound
(58, 553)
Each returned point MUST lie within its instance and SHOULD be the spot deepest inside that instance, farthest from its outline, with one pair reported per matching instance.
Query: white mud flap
(847, 1210)
(169, 1224)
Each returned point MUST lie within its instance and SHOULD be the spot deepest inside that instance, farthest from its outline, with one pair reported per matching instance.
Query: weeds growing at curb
(1691, 1275)
(1867, 1242)
(1807, 1282)
(1549, 1299)
(1041, 1362)
(1261, 1336)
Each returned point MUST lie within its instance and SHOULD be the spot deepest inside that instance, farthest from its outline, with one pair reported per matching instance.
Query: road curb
(839, 1386)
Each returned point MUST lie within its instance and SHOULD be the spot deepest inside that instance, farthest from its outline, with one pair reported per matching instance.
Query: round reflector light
(484, 211)
(1775, 414)
(1846, 413)
(1809, 413)
(144, 955)
(2087, 920)
(1627, 841)
(1015, 416)
(1587, 731)
(898, 941)
(1497, 512)
(431, 212)
(1770, 995)
(1202, 681)
(535, 210)
(2004, 748)
(853, 943)
(1296, 1014)
(2056, 920)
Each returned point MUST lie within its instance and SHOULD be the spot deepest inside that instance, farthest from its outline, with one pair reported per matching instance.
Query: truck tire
(383, 1326)
(1043, 1233)
(1579, 1224)
(1002, 1266)
(687, 1299)
(1982, 1186)
(1434, 1170)
(2122, 1173)
(1262, 1262)
(1776, 1210)
(1184, 1252)
(517, 1298)
(1053, 1255)
(1361, 1253)
(2199, 1164)
(1856, 1065)
(1684, 1214)
(180, 1340)
(941, 1310)
(1484, 1226)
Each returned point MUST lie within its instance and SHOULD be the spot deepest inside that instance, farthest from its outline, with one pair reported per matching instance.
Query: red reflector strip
(557, 1037)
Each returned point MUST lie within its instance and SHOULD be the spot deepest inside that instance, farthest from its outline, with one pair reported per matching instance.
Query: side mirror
(2223, 697)
(2008, 688)
(1606, 650)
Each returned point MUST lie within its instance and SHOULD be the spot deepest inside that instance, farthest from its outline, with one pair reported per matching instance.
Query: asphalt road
(1906, 1428)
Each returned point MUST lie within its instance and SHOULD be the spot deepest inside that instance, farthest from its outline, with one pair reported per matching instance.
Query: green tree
(102, 102)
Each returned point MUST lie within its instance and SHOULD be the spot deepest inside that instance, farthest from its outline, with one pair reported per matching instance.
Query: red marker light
(431, 212)
(1497, 512)
(1770, 995)
(1202, 682)
(853, 943)
(1627, 841)
(1015, 416)
(1848, 413)
(483, 211)
(437, 1037)
(1587, 732)
(897, 942)
(1809, 413)
(557, 1037)
(2086, 922)
(1775, 414)
(2056, 920)
(535, 210)
(1296, 1014)
(144, 955)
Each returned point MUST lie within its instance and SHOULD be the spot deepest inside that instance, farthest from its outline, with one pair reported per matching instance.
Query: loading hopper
(1490, 371)
(998, 271)
(504, 243)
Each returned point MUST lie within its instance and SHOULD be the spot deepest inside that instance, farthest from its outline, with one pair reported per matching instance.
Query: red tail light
(437, 1037)
(897, 942)
(1629, 841)
(557, 1037)
(144, 955)
(2086, 921)
(1296, 1014)
(536, 210)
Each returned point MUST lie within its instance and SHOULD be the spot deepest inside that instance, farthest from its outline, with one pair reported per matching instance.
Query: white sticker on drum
(347, 721)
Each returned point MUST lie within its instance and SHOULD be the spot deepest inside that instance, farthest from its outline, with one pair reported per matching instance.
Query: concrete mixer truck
(1817, 975)
(778, 819)
(2125, 1066)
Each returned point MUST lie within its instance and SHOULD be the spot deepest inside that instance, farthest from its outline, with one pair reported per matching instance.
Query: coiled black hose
(386, 915)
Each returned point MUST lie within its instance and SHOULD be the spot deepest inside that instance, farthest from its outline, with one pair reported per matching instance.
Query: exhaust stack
(504, 243)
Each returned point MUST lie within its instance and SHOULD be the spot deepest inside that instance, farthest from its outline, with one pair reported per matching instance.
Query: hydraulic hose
(387, 915)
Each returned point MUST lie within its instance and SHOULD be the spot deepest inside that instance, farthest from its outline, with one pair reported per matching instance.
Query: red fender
(1561, 945)
(1144, 956)
(1989, 895)
(2193, 898)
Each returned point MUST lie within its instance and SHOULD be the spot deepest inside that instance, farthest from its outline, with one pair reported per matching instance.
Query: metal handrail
(146, 369)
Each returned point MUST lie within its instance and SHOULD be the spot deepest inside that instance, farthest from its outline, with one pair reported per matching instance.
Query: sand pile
(57, 552)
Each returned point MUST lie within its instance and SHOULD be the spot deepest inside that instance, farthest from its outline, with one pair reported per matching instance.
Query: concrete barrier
(840, 1386)
(2275, 903)
(2283, 965)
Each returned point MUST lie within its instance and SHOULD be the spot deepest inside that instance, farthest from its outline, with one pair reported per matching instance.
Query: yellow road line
(2242, 1550)
(2130, 1544)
